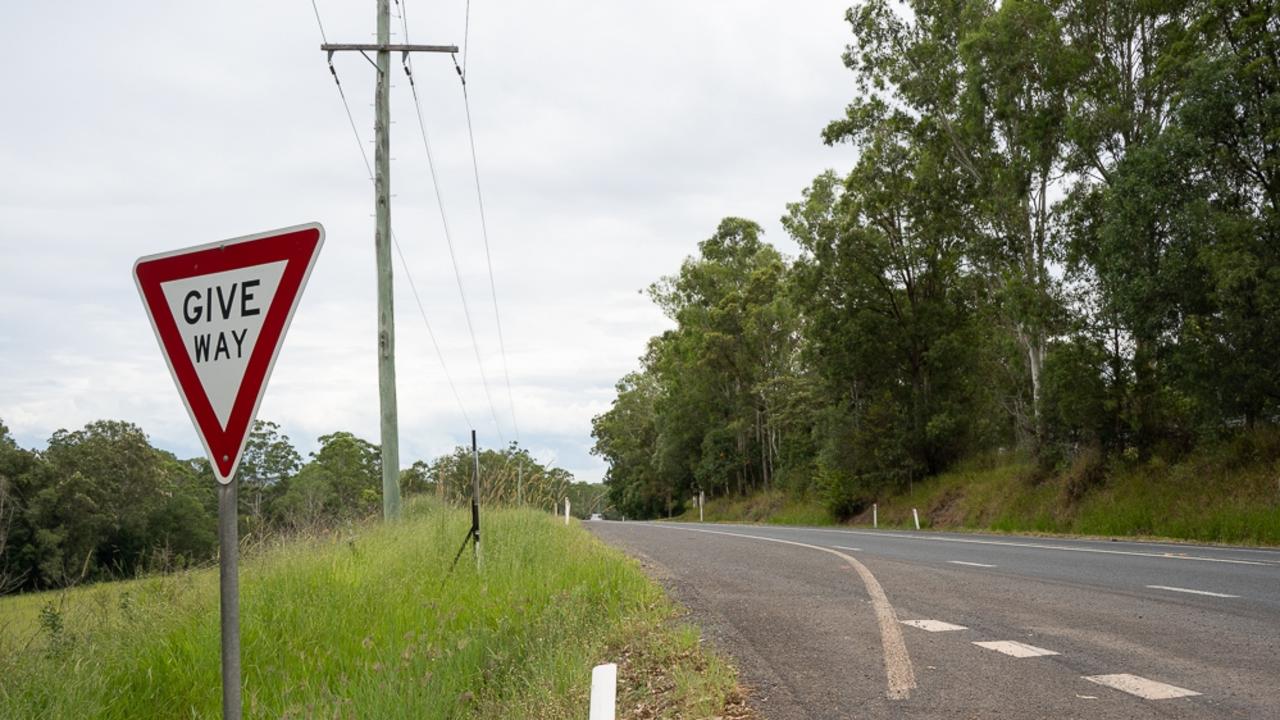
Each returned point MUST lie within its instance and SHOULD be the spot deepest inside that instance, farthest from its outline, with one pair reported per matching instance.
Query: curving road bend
(990, 626)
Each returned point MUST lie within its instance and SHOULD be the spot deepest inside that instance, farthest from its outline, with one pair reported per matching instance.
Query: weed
(1086, 471)
(54, 629)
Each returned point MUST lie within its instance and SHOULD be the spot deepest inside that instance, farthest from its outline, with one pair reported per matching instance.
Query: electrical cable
(466, 35)
(364, 155)
(448, 235)
(484, 230)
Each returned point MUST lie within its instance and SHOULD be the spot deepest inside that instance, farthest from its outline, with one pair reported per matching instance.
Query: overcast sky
(611, 138)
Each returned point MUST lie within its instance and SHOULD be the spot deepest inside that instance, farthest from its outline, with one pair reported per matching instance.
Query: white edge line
(1039, 546)
(1165, 555)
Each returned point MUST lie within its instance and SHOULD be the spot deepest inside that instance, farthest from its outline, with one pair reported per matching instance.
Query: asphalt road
(827, 623)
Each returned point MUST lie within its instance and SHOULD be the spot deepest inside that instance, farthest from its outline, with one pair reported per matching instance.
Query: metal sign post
(220, 313)
(229, 580)
(475, 501)
(473, 533)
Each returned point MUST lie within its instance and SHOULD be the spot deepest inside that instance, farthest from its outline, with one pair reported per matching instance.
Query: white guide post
(604, 691)
(566, 510)
(916, 515)
(875, 513)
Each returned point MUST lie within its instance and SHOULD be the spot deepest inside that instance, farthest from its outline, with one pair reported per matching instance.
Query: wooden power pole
(382, 245)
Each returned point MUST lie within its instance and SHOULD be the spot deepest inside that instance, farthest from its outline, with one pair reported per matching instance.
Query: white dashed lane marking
(970, 564)
(933, 625)
(1193, 592)
(842, 547)
(1015, 648)
(1141, 687)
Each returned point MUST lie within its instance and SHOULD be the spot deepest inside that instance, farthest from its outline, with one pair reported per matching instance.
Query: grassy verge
(1210, 496)
(1228, 493)
(363, 624)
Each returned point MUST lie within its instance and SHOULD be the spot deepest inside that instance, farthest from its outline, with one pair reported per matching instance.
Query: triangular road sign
(220, 312)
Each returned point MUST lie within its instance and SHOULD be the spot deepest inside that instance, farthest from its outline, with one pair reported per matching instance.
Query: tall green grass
(364, 623)
(1226, 494)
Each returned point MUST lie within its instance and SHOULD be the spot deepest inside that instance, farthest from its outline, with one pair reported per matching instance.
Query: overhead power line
(484, 222)
(448, 235)
(466, 36)
(364, 155)
(319, 23)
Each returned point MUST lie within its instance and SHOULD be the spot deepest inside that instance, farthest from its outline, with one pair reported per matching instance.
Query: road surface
(829, 623)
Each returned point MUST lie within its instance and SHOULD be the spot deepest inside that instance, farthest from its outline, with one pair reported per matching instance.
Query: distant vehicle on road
(596, 516)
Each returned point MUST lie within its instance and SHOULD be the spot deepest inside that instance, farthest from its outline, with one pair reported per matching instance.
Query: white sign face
(219, 317)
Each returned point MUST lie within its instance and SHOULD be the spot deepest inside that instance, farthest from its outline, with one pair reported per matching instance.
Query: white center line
(933, 625)
(1193, 592)
(1015, 648)
(971, 564)
(1140, 686)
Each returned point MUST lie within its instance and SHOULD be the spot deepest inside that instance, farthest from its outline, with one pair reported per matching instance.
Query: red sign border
(298, 246)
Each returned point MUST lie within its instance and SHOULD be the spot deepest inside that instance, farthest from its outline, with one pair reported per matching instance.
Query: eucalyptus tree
(341, 480)
(625, 436)
(1131, 234)
(269, 460)
(734, 336)
(889, 305)
(1019, 69)
(1231, 105)
(15, 463)
(992, 81)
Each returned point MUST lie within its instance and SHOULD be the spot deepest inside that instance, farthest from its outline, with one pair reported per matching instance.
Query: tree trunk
(1033, 344)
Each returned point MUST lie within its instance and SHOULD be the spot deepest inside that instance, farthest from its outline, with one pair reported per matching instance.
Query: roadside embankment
(1225, 494)
(367, 623)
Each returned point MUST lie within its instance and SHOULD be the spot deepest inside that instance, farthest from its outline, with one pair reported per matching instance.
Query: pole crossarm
(377, 47)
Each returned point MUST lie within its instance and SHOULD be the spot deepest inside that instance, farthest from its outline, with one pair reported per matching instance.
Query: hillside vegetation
(1060, 240)
(367, 623)
(101, 502)
(1228, 494)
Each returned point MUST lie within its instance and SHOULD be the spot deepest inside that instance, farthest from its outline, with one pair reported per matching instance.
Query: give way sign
(220, 312)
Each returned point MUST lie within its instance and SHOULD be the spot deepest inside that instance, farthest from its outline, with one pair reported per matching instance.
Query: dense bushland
(102, 503)
(1061, 238)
